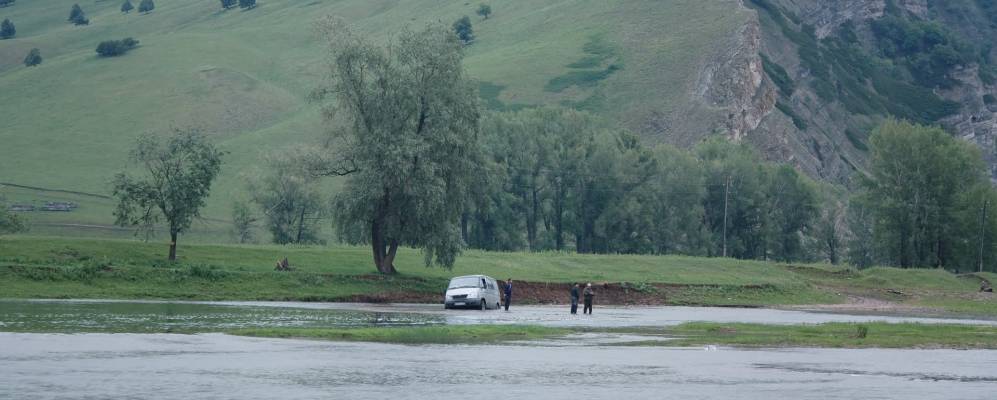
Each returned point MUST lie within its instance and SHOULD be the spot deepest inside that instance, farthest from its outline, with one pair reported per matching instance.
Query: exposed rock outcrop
(826, 16)
(734, 80)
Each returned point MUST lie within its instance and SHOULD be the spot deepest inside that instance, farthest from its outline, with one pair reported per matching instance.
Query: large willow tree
(406, 119)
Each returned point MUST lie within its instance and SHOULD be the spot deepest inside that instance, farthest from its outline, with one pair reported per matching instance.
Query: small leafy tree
(288, 195)
(77, 17)
(464, 30)
(247, 4)
(9, 223)
(242, 222)
(33, 58)
(227, 4)
(127, 6)
(5, 3)
(7, 30)
(146, 6)
(485, 10)
(178, 172)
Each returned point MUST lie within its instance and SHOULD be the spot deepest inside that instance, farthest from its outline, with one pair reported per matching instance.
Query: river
(68, 364)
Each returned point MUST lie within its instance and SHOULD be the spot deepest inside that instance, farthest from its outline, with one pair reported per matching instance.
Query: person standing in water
(508, 293)
(574, 298)
(589, 294)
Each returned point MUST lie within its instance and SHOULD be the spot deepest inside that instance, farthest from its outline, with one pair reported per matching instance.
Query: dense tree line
(926, 202)
(560, 179)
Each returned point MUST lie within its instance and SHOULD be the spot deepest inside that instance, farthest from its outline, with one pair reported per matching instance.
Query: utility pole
(983, 229)
(726, 197)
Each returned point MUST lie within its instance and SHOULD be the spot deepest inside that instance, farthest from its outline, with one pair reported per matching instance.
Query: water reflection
(153, 317)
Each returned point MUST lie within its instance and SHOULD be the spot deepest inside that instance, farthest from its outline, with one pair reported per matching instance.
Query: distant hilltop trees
(127, 7)
(5, 3)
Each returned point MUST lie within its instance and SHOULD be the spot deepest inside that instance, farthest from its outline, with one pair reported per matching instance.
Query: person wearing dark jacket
(589, 294)
(508, 293)
(574, 298)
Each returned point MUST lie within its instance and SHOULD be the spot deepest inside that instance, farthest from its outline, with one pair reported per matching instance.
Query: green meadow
(54, 267)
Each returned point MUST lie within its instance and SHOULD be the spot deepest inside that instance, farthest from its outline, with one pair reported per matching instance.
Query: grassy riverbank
(436, 334)
(830, 335)
(44, 267)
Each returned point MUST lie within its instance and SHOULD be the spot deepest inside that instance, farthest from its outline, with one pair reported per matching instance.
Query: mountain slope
(843, 66)
(243, 76)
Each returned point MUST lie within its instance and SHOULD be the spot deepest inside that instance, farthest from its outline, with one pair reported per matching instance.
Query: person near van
(574, 298)
(508, 293)
(589, 294)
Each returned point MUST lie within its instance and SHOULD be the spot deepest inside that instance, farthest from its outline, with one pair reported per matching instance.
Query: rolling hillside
(243, 77)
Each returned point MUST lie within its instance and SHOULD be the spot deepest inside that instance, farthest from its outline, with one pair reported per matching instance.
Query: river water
(150, 364)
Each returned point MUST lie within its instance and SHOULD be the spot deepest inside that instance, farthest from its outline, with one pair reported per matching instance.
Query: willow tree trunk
(173, 246)
(384, 250)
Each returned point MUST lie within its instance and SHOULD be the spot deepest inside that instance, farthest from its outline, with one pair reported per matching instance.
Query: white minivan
(472, 291)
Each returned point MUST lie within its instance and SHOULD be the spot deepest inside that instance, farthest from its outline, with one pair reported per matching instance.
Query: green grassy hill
(243, 77)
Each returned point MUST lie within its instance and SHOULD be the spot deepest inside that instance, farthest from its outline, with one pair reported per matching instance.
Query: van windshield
(465, 282)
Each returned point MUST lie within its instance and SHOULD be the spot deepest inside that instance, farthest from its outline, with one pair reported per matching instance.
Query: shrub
(989, 99)
(800, 123)
(5, 3)
(77, 17)
(113, 48)
(485, 10)
(247, 4)
(127, 6)
(778, 75)
(146, 6)
(7, 30)
(227, 4)
(33, 58)
(856, 140)
(861, 332)
(464, 30)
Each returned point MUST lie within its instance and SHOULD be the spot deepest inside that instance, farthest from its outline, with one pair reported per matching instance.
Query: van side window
(483, 283)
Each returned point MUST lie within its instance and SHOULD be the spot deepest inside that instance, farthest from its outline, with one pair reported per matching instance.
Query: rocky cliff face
(826, 138)
(735, 81)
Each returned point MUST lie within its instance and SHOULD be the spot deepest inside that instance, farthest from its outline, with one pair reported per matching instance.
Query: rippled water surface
(216, 366)
(152, 317)
(121, 350)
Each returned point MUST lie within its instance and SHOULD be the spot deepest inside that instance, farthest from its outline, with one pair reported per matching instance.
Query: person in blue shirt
(508, 293)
